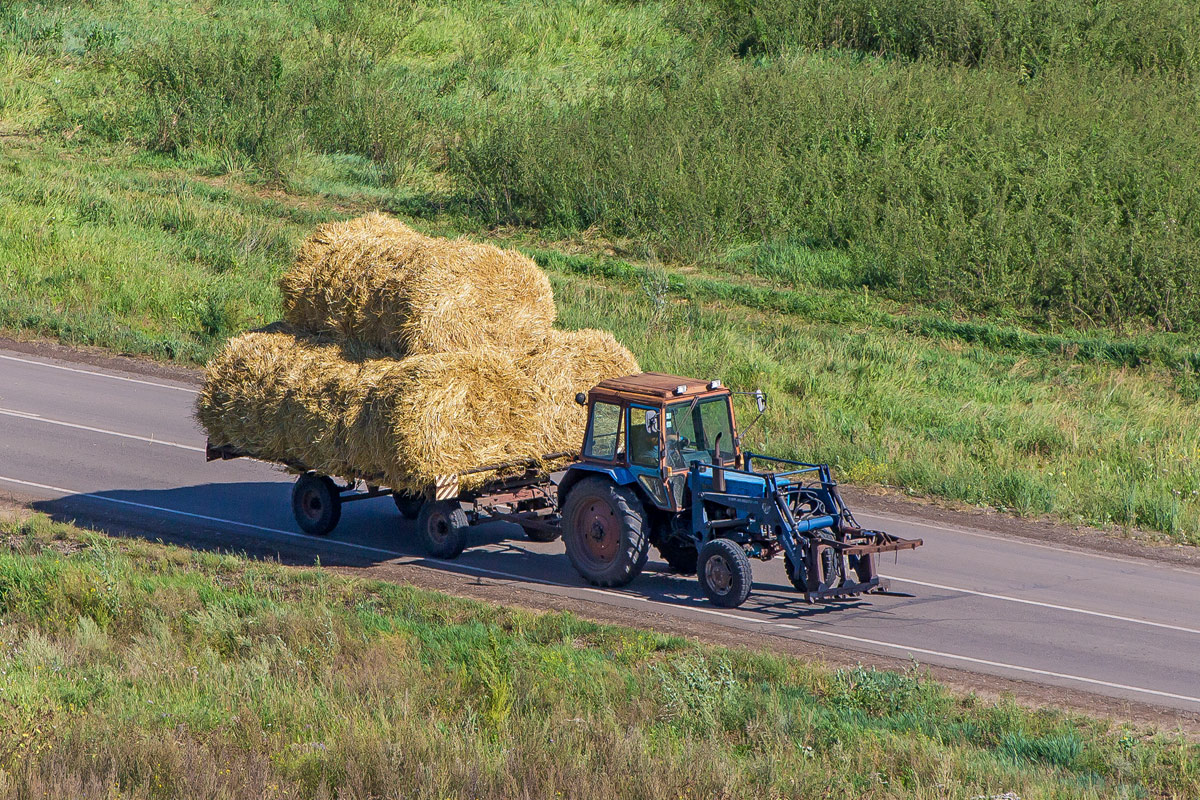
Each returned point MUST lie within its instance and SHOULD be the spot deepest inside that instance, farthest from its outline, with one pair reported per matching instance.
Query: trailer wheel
(443, 526)
(605, 531)
(541, 534)
(316, 504)
(409, 505)
(724, 573)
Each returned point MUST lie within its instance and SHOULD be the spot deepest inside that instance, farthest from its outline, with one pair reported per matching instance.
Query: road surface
(92, 442)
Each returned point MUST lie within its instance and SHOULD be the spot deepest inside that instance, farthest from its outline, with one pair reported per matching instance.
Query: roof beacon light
(681, 389)
(714, 384)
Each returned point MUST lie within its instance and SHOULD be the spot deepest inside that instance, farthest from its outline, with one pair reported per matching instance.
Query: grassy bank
(135, 670)
(1015, 159)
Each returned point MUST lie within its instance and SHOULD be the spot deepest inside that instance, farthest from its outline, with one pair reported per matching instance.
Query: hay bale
(375, 280)
(345, 410)
(568, 362)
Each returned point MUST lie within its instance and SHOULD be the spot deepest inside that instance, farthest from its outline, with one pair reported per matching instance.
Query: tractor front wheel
(724, 572)
(605, 532)
(443, 526)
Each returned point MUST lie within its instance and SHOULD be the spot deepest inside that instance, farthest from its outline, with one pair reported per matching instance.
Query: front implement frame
(805, 519)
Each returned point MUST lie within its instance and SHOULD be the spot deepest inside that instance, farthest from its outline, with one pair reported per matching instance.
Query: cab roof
(656, 385)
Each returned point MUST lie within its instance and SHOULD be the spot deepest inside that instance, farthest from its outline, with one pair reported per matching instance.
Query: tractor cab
(662, 463)
(650, 429)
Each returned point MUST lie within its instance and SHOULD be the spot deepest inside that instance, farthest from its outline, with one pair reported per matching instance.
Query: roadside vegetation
(955, 242)
(130, 669)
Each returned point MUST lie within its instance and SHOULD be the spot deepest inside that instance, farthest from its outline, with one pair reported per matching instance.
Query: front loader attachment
(826, 553)
(842, 564)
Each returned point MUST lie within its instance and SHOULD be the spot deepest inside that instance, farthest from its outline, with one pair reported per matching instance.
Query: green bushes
(1012, 157)
(936, 182)
(1026, 35)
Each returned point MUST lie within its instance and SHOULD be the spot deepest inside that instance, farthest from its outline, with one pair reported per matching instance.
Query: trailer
(521, 493)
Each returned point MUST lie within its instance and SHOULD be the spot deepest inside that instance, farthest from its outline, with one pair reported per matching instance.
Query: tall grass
(1016, 158)
(140, 671)
(1051, 198)
(1025, 35)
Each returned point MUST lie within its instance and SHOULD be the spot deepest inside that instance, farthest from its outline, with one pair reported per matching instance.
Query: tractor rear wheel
(724, 573)
(316, 504)
(443, 526)
(606, 532)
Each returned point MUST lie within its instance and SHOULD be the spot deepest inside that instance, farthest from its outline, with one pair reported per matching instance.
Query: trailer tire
(443, 526)
(541, 534)
(606, 532)
(316, 504)
(724, 573)
(409, 505)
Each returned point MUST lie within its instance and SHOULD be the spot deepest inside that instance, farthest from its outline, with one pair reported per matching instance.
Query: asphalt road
(87, 442)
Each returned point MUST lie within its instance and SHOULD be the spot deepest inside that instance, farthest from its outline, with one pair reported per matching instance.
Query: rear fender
(621, 476)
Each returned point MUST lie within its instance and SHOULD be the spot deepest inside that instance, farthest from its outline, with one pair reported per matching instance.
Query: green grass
(1014, 158)
(140, 671)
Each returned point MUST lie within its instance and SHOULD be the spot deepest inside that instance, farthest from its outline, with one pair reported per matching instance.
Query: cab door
(644, 448)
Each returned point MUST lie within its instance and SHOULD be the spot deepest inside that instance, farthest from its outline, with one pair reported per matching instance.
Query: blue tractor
(662, 464)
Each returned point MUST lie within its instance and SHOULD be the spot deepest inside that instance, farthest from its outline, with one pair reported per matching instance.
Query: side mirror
(581, 399)
(760, 400)
(652, 423)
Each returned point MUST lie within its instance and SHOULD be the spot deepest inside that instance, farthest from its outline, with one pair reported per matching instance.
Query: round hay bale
(378, 281)
(568, 362)
(347, 411)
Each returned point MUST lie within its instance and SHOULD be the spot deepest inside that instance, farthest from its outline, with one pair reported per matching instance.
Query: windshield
(692, 431)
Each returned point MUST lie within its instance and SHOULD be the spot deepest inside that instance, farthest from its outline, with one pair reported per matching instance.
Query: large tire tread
(738, 565)
(634, 525)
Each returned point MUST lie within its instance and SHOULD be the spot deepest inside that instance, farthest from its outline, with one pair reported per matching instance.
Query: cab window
(604, 432)
(643, 437)
(692, 428)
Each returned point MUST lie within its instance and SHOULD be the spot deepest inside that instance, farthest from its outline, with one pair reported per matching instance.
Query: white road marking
(524, 579)
(8, 412)
(1055, 606)
(1001, 665)
(98, 374)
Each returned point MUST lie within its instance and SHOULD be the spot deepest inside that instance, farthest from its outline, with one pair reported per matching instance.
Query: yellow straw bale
(375, 280)
(568, 362)
(345, 410)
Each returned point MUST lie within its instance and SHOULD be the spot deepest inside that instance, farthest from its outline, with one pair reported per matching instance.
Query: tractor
(662, 464)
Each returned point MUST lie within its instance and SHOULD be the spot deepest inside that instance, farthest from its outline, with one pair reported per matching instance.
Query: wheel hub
(439, 528)
(312, 505)
(601, 534)
(719, 575)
